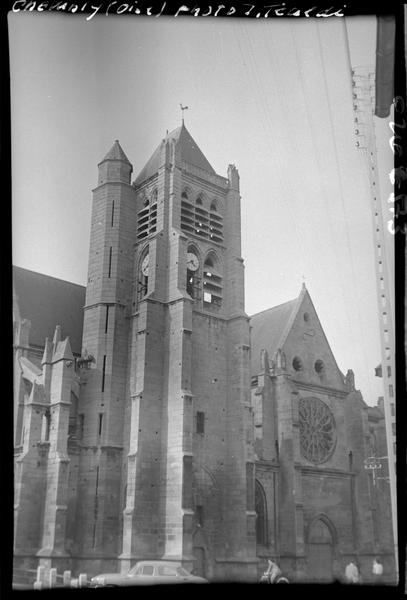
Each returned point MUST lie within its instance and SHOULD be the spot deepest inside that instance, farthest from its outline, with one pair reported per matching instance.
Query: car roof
(159, 563)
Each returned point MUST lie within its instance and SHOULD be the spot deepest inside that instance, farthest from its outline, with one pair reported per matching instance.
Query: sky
(272, 96)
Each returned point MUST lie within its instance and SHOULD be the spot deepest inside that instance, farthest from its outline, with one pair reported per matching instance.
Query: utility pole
(363, 84)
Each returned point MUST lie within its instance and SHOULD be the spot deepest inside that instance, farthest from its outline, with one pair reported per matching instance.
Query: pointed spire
(116, 153)
(57, 337)
(47, 356)
(63, 351)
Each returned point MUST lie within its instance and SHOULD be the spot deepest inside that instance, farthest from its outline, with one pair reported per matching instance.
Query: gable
(308, 354)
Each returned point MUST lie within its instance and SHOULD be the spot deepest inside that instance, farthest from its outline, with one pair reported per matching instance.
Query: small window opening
(213, 207)
(297, 363)
(200, 422)
(388, 371)
(184, 195)
(319, 366)
(199, 512)
(392, 409)
(391, 393)
(306, 317)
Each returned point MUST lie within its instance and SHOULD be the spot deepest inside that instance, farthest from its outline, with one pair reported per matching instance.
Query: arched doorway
(320, 551)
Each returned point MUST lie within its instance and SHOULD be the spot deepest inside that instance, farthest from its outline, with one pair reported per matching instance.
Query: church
(153, 418)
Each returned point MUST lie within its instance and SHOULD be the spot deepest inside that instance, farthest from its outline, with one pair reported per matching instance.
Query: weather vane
(182, 109)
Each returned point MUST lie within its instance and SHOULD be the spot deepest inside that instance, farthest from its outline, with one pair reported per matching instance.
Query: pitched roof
(268, 331)
(47, 302)
(189, 151)
(116, 153)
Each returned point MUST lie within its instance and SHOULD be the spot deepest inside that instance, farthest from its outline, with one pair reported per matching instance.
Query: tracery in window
(317, 430)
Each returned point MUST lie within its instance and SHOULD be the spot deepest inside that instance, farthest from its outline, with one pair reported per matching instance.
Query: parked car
(148, 572)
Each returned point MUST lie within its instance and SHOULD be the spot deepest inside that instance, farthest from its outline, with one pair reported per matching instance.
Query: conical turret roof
(116, 153)
(189, 151)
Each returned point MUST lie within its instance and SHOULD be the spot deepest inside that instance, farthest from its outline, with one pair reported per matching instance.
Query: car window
(182, 571)
(136, 570)
(148, 570)
(166, 571)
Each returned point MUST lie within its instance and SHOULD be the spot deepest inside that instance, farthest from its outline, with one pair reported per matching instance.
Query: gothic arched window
(215, 223)
(192, 283)
(212, 282)
(260, 505)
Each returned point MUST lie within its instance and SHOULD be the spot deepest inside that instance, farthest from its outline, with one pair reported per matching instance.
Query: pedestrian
(377, 570)
(352, 573)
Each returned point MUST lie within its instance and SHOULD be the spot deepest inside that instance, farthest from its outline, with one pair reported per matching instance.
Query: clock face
(192, 261)
(144, 266)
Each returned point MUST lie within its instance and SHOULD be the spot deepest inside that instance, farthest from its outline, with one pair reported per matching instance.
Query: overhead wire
(260, 99)
(321, 182)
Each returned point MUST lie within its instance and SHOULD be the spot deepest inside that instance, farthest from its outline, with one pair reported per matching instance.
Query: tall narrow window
(192, 272)
(147, 217)
(391, 393)
(200, 422)
(110, 262)
(260, 505)
(143, 272)
(392, 409)
(212, 284)
(112, 222)
(100, 425)
(103, 373)
(199, 512)
(47, 425)
(95, 508)
(81, 424)
(107, 318)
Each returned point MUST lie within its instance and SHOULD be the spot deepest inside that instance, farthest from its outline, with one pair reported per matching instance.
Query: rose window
(317, 430)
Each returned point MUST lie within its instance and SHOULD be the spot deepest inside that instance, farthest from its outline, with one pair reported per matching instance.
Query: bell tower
(188, 460)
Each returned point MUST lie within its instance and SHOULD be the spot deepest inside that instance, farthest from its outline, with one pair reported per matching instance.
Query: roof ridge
(48, 276)
(273, 307)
